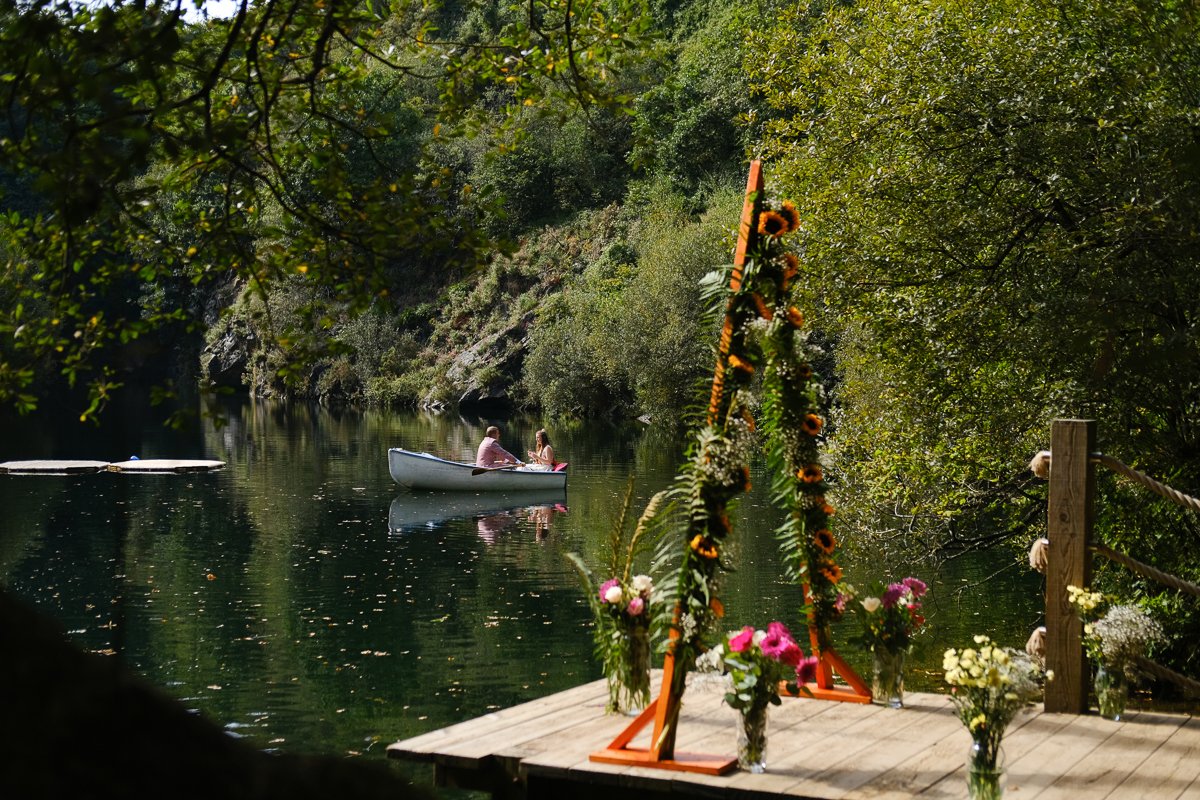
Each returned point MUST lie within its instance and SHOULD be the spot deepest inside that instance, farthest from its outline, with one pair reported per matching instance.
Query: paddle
(481, 470)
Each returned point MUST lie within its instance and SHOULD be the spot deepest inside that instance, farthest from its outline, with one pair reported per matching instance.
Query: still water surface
(303, 601)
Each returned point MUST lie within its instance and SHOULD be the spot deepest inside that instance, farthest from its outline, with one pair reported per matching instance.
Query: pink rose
(636, 606)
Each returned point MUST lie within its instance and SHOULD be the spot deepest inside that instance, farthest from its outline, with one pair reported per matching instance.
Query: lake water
(301, 600)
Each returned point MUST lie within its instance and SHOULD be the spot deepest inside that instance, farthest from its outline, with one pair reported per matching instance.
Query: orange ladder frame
(619, 750)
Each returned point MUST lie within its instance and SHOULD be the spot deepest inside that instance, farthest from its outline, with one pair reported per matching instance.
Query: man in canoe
(491, 454)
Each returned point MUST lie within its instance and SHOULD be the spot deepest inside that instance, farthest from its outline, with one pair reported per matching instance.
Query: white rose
(871, 604)
(643, 584)
(758, 637)
(614, 594)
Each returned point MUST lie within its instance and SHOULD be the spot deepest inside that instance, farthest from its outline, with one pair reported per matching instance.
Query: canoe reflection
(494, 512)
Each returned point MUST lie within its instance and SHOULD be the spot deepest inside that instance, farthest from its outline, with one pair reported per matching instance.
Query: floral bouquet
(989, 685)
(891, 616)
(622, 610)
(1114, 639)
(623, 634)
(757, 663)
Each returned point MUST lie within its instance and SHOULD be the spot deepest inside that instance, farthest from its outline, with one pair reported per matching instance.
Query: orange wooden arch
(660, 710)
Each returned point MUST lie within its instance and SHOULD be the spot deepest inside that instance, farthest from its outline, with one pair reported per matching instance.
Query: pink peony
(743, 640)
(806, 670)
(604, 587)
(915, 585)
(636, 606)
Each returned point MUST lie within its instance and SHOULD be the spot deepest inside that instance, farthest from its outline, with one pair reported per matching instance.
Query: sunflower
(824, 540)
(810, 473)
(770, 223)
(832, 572)
(812, 424)
(805, 371)
(741, 364)
(790, 215)
(704, 547)
(795, 316)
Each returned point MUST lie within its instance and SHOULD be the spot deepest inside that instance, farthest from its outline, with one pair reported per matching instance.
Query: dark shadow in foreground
(76, 725)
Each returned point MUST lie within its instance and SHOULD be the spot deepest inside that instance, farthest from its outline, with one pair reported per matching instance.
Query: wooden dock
(816, 749)
(147, 465)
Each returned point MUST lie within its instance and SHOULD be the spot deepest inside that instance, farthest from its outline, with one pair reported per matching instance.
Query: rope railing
(1146, 570)
(1065, 557)
(1189, 685)
(1174, 495)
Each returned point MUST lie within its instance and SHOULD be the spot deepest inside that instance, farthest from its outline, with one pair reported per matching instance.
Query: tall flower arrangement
(792, 426)
(762, 340)
(989, 685)
(624, 608)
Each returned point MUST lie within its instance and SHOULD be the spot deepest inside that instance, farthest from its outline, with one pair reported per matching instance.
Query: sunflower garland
(761, 341)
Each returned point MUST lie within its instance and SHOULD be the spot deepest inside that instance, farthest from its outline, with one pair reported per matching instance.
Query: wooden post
(1070, 515)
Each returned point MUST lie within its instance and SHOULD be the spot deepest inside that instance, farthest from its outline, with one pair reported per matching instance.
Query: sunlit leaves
(998, 207)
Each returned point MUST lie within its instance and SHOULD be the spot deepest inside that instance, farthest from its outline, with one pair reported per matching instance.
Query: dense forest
(467, 202)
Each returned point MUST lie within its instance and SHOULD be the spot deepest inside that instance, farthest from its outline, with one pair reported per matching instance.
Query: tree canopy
(145, 161)
(999, 205)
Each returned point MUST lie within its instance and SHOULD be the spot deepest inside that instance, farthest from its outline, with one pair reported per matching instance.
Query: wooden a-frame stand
(619, 750)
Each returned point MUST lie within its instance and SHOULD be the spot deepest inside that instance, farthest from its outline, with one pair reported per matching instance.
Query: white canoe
(423, 471)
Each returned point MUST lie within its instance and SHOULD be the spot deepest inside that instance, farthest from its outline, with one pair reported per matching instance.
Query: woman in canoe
(542, 454)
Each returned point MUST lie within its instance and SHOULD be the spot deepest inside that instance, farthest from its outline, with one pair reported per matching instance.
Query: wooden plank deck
(816, 750)
(61, 467)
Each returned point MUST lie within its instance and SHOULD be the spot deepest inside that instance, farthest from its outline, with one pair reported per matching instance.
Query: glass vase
(1112, 692)
(752, 738)
(985, 771)
(629, 685)
(887, 677)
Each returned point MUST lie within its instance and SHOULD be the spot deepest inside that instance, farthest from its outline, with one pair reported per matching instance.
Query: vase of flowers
(1112, 692)
(989, 685)
(627, 607)
(887, 677)
(1115, 637)
(985, 772)
(890, 616)
(755, 664)
(623, 608)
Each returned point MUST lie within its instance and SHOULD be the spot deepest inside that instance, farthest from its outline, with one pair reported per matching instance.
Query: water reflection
(296, 598)
(492, 511)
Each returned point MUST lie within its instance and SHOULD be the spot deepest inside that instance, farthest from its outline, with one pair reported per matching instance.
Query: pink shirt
(491, 454)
